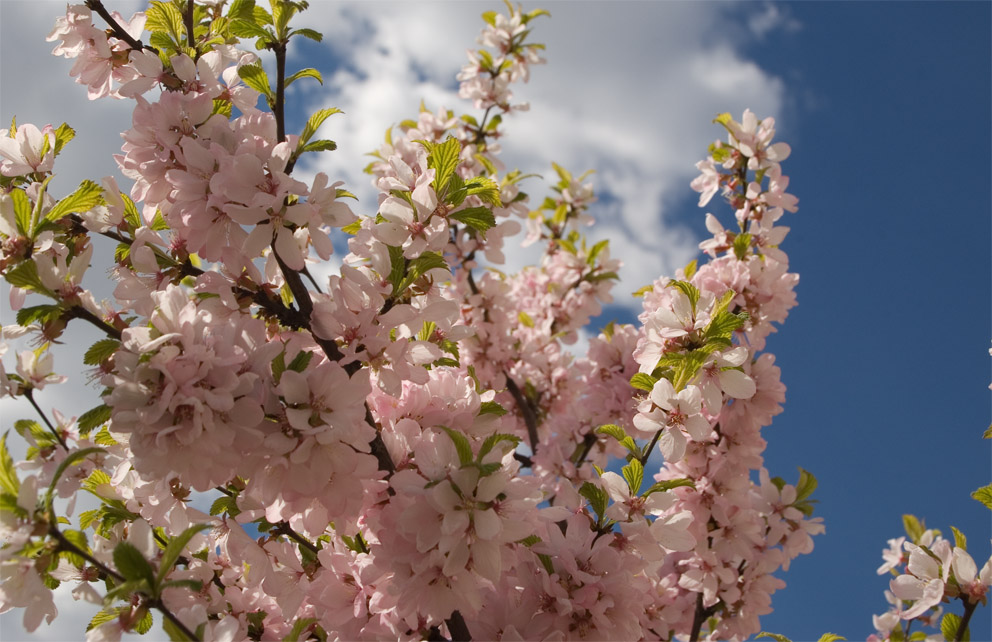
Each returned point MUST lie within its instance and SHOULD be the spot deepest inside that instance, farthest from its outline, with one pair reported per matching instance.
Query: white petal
(737, 384)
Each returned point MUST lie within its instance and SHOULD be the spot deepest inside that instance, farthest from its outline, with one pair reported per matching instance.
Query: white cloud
(629, 91)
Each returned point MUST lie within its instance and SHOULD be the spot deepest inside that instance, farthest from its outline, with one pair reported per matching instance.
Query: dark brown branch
(188, 23)
(119, 32)
(278, 109)
(283, 528)
(29, 393)
(457, 628)
(79, 312)
(969, 610)
(526, 411)
(702, 614)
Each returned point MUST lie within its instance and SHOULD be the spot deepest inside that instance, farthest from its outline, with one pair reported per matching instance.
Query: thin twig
(526, 411)
(29, 393)
(119, 32)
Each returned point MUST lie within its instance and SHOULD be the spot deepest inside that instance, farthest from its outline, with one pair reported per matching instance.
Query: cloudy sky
(887, 108)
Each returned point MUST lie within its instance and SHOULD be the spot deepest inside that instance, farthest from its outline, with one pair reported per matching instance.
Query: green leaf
(22, 211)
(102, 618)
(25, 276)
(63, 134)
(612, 430)
(420, 266)
(462, 446)
(78, 538)
(308, 72)
(984, 495)
(299, 628)
(313, 123)
(633, 473)
(224, 504)
(491, 408)
(319, 145)
(914, 528)
(132, 564)
(102, 349)
(397, 267)
(598, 498)
(949, 626)
(691, 292)
(988, 433)
(806, 485)
(494, 439)
(8, 476)
(479, 219)
(689, 269)
(831, 637)
(144, 625)
(765, 634)
(723, 325)
(742, 243)
(444, 158)
(643, 381)
(249, 29)
(669, 484)
(41, 313)
(959, 539)
(485, 188)
(596, 250)
(300, 361)
(525, 319)
(255, 77)
(92, 418)
(174, 549)
(316, 36)
(87, 196)
(164, 17)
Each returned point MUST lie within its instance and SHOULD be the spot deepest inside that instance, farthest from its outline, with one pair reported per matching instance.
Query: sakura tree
(408, 449)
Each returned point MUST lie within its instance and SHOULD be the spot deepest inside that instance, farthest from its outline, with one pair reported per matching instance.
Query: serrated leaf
(598, 498)
(669, 484)
(633, 473)
(643, 381)
(690, 269)
(101, 350)
(41, 313)
(22, 211)
(144, 625)
(984, 495)
(87, 196)
(164, 17)
(300, 361)
(444, 158)
(397, 267)
(78, 538)
(596, 250)
(491, 408)
(255, 77)
(831, 637)
(949, 625)
(479, 219)
(249, 29)
(319, 145)
(775, 636)
(806, 485)
(299, 628)
(25, 276)
(308, 72)
(420, 266)
(462, 445)
(485, 189)
(102, 618)
(96, 479)
(313, 123)
(224, 504)
(612, 430)
(316, 36)
(9, 481)
(742, 243)
(132, 564)
(491, 441)
(174, 549)
(104, 438)
(353, 227)
(959, 539)
(723, 325)
(914, 529)
(92, 418)
(690, 291)
(63, 134)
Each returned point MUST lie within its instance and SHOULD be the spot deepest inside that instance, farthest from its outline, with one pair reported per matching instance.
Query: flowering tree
(408, 449)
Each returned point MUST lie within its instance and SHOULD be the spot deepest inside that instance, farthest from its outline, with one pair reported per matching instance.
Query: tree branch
(97, 5)
(526, 411)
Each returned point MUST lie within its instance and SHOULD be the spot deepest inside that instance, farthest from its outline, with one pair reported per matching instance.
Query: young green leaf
(643, 381)
(914, 528)
(984, 495)
(633, 473)
(765, 634)
(132, 564)
(92, 418)
(8, 476)
(101, 350)
(255, 77)
(87, 196)
(462, 446)
(174, 549)
(479, 219)
(308, 72)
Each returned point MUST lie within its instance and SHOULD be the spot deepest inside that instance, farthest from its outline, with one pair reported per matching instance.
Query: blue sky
(887, 107)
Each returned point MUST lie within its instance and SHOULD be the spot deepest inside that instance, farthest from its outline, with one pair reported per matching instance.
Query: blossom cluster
(408, 448)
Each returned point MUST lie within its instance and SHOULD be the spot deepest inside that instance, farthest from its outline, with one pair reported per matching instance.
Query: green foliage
(479, 219)
(914, 528)
(633, 473)
(92, 418)
(462, 446)
(87, 196)
(949, 626)
(984, 495)
(255, 77)
(775, 636)
(598, 499)
(101, 350)
(643, 381)
(132, 564)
